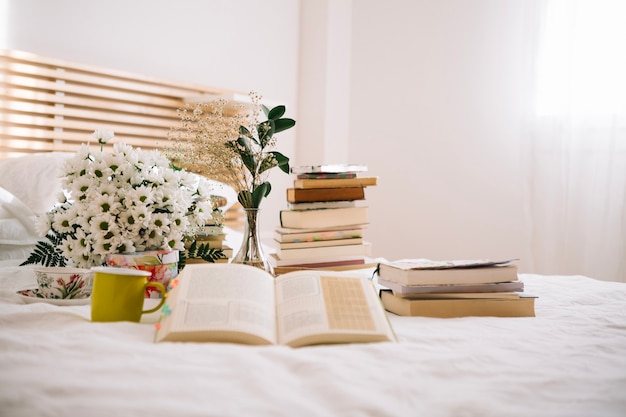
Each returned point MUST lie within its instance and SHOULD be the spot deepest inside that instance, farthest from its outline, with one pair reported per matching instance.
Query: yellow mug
(118, 294)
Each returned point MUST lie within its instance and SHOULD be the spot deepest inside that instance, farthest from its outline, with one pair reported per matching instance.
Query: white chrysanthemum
(103, 135)
(102, 225)
(140, 196)
(79, 187)
(130, 200)
(61, 197)
(141, 215)
(64, 221)
(160, 223)
(175, 241)
(105, 203)
(100, 168)
(110, 189)
(42, 224)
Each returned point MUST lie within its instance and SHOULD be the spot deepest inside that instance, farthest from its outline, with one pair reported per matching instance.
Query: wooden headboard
(54, 105)
(51, 105)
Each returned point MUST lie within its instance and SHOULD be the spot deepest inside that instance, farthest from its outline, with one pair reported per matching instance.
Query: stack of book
(209, 245)
(421, 287)
(323, 225)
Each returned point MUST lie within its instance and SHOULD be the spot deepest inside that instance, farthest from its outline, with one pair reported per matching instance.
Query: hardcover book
(521, 306)
(243, 304)
(335, 183)
(306, 195)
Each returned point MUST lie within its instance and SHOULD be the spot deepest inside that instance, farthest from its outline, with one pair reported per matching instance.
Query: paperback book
(363, 249)
(317, 243)
(427, 272)
(284, 234)
(323, 218)
(408, 290)
(520, 306)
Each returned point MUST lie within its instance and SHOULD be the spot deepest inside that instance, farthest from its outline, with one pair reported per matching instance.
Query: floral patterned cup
(63, 282)
(162, 265)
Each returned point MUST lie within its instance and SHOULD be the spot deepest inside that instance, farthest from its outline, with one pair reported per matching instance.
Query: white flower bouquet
(126, 201)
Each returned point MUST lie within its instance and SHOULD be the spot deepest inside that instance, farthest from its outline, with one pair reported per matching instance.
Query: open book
(243, 304)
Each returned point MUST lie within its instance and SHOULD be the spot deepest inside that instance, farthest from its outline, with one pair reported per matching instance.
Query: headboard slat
(53, 105)
(57, 104)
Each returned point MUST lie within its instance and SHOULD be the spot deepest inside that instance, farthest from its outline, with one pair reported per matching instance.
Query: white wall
(241, 45)
(436, 113)
(426, 93)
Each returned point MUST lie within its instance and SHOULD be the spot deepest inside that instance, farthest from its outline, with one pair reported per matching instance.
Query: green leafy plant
(47, 252)
(202, 251)
(251, 147)
(225, 142)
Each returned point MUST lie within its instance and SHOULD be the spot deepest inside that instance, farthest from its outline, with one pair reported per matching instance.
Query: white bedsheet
(570, 360)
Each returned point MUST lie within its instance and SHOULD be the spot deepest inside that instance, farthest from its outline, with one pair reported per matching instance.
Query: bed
(569, 360)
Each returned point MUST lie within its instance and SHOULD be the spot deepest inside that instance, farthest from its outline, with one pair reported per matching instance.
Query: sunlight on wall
(582, 64)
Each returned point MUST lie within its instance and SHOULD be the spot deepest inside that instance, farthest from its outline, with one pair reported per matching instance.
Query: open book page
(221, 302)
(323, 307)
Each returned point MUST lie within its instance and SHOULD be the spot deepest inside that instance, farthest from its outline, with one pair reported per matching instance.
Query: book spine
(307, 195)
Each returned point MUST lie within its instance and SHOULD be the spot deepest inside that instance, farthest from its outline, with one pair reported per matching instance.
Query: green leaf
(276, 113)
(266, 131)
(283, 124)
(250, 162)
(259, 192)
(245, 198)
(265, 109)
(282, 161)
(203, 251)
(268, 162)
(243, 131)
(47, 253)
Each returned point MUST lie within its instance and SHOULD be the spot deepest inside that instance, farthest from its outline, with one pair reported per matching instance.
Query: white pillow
(35, 179)
(17, 231)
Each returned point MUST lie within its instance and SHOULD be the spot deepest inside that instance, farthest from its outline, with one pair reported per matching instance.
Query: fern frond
(47, 253)
(203, 251)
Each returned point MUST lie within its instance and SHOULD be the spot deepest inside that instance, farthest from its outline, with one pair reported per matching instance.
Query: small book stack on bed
(209, 242)
(323, 225)
(420, 287)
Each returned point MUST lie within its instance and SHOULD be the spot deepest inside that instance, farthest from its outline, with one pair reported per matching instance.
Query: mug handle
(161, 289)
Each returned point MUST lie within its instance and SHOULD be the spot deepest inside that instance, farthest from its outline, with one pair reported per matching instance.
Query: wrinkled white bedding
(570, 360)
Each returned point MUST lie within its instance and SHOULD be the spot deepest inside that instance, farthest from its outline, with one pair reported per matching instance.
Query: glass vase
(251, 251)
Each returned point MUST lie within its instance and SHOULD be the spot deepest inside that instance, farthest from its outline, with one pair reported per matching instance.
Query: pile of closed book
(323, 225)
(209, 245)
(458, 288)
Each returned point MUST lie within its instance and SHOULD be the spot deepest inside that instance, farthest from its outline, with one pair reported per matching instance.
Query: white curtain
(575, 139)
